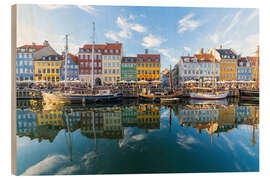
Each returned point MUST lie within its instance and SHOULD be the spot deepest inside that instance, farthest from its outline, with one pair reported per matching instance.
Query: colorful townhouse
(148, 117)
(198, 67)
(47, 69)
(111, 66)
(255, 63)
(148, 67)
(72, 68)
(24, 61)
(129, 69)
(26, 122)
(85, 63)
(227, 59)
(244, 70)
(165, 78)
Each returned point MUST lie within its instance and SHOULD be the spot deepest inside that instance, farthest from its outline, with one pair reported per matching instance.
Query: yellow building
(111, 63)
(255, 66)
(227, 59)
(47, 69)
(226, 116)
(51, 117)
(148, 116)
(148, 67)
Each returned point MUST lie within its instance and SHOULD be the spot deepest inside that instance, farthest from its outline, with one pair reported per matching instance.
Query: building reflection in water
(109, 122)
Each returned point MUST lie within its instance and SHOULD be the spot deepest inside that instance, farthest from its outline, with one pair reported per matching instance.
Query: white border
(264, 66)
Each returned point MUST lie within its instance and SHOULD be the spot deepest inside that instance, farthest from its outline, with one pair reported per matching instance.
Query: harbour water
(135, 137)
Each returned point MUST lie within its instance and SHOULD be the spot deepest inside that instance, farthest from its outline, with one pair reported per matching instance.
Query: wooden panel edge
(13, 87)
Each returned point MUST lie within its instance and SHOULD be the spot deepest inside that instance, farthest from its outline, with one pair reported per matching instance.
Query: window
(148, 59)
(105, 51)
(141, 59)
(111, 50)
(157, 65)
(139, 64)
(117, 50)
(138, 71)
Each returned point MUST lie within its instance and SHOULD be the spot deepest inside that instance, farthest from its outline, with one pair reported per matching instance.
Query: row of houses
(221, 64)
(41, 63)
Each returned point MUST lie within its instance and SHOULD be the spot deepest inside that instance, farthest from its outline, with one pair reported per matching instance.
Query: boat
(212, 93)
(249, 94)
(169, 100)
(54, 97)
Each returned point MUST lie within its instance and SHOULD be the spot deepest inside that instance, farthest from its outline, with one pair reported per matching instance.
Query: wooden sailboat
(213, 94)
(171, 96)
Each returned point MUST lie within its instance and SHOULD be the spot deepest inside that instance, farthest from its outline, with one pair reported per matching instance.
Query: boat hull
(95, 99)
(200, 96)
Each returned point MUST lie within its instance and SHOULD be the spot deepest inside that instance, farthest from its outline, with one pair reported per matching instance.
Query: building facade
(227, 59)
(129, 69)
(24, 61)
(111, 66)
(47, 69)
(72, 68)
(165, 78)
(198, 67)
(148, 67)
(244, 70)
(85, 64)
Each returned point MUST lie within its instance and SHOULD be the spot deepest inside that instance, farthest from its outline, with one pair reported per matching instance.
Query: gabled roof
(253, 60)
(73, 58)
(103, 47)
(153, 57)
(46, 51)
(50, 58)
(29, 48)
(227, 52)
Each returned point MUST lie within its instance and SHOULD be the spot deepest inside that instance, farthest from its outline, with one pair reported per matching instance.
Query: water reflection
(112, 122)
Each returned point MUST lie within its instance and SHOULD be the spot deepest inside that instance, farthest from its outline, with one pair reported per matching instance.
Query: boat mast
(214, 73)
(93, 49)
(66, 59)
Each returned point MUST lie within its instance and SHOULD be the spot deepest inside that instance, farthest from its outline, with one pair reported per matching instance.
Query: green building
(129, 69)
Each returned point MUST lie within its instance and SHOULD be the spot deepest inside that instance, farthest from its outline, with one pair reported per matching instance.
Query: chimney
(201, 51)
(146, 51)
(33, 43)
(220, 46)
(63, 53)
(45, 43)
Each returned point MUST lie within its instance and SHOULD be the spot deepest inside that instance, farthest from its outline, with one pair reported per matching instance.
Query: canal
(135, 137)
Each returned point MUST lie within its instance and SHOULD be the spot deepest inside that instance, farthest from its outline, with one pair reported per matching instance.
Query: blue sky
(169, 31)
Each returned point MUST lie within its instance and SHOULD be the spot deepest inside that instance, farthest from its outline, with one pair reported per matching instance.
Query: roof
(244, 61)
(165, 71)
(226, 52)
(73, 58)
(46, 51)
(253, 60)
(29, 48)
(200, 58)
(103, 48)
(129, 60)
(145, 57)
(50, 58)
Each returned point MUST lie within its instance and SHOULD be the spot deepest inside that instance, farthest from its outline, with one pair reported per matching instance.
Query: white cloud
(254, 14)
(152, 41)
(185, 141)
(188, 49)
(47, 164)
(234, 22)
(138, 28)
(126, 29)
(187, 24)
(88, 9)
(112, 35)
(52, 6)
(166, 53)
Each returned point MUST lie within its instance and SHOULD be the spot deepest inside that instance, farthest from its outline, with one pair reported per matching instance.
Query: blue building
(26, 123)
(72, 68)
(244, 70)
(24, 61)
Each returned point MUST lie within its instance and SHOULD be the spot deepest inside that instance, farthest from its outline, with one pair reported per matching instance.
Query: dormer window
(157, 60)
(87, 50)
(111, 51)
(117, 50)
(131, 60)
(99, 50)
(141, 59)
(43, 58)
(50, 58)
(241, 63)
(148, 59)
(81, 50)
(186, 59)
(126, 59)
(194, 60)
(105, 51)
